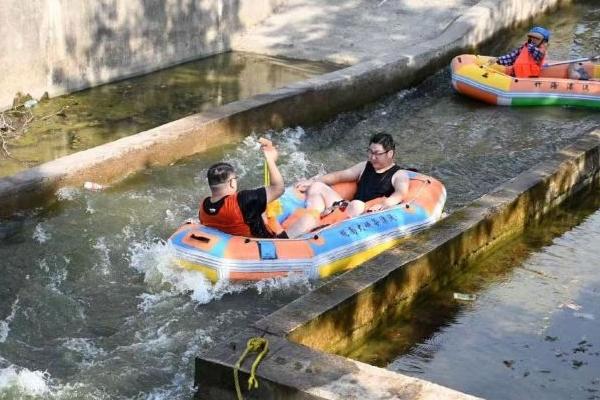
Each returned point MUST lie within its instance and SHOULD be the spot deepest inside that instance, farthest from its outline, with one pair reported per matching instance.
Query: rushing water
(78, 121)
(91, 306)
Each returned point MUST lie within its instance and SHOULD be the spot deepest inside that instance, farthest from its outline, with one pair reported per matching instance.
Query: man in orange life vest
(381, 184)
(528, 59)
(241, 213)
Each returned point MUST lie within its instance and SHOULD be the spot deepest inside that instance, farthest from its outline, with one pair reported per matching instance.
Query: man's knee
(316, 188)
(356, 207)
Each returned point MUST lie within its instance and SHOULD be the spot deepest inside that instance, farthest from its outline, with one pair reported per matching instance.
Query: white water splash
(149, 300)
(5, 324)
(103, 256)
(40, 234)
(43, 264)
(155, 261)
(57, 277)
(247, 157)
(21, 382)
(296, 283)
(67, 193)
(86, 348)
(403, 93)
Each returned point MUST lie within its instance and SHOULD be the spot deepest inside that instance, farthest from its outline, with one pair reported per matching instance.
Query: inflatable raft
(329, 249)
(472, 77)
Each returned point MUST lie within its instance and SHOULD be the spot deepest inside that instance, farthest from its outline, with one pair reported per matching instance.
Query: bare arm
(345, 175)
(275, 188)
(400, 182)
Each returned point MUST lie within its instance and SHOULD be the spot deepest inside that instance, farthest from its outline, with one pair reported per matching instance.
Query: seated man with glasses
(381, 184)
(240, 213)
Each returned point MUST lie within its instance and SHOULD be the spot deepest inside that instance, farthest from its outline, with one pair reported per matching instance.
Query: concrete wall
(58, 46)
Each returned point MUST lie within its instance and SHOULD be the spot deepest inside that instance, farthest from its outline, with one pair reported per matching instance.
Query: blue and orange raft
(330, 249)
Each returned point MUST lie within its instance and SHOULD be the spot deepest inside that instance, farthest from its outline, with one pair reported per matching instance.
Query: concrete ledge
(303, 103)
(291, 371)
(343, 310)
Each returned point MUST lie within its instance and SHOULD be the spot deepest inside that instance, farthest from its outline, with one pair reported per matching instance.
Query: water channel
(530, 332)
(92, 307)
(80, 120)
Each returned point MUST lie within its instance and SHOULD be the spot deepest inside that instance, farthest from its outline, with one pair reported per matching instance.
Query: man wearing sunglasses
(381, 184)
(241, 213)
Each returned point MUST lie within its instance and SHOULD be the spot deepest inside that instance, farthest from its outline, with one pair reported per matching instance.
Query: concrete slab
(292, 371)
(354, 31)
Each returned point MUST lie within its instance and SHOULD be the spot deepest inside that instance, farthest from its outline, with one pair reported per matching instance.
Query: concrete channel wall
(350, 306)
(304, 103)
(59, 46)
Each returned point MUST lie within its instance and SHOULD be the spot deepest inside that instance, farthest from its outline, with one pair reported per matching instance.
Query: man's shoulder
(251, 192)
(252, 195)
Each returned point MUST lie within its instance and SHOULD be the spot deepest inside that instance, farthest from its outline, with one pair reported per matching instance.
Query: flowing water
(80, 120)
(91, 306)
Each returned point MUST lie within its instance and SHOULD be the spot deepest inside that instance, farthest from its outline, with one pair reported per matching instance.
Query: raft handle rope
(258, 345)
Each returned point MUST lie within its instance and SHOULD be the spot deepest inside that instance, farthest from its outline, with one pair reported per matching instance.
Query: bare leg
(355, 208)
(319, 196)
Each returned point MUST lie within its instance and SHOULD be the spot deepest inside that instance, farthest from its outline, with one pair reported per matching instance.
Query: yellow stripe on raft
(486, 75)
(596, 74)
(208, 272)
(326, 270)
(355, 260)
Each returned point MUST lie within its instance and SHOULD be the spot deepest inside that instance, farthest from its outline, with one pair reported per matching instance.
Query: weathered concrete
(354, 31)
(302, 103)
(59, 46)
(291, 371)
(345, 309)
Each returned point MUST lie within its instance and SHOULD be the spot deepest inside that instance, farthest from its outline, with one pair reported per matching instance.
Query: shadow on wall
(348, 32)
(122, 39)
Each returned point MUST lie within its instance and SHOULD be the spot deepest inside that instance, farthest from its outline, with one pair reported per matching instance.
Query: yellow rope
(256, 345)
(267, 176)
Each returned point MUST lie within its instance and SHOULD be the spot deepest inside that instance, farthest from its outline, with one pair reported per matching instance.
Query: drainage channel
(67, 124)
(519, 322)
(91, 304)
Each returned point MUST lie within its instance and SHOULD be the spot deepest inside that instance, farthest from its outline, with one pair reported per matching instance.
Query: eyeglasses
(376, 154)
(232, 179)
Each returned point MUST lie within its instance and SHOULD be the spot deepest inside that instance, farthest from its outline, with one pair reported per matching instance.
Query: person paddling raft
(381, 184)
(527, 60)
(242, 212)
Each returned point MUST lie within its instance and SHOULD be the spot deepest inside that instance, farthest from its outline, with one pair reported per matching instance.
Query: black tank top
(372, 185)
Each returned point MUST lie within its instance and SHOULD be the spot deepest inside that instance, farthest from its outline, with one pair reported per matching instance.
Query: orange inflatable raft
(473, 77)
(330, 249)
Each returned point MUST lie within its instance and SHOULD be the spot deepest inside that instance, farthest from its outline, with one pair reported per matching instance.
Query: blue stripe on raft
(365, 226)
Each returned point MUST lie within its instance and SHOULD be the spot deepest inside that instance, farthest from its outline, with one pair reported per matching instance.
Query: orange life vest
(525, 65)
(229, 219)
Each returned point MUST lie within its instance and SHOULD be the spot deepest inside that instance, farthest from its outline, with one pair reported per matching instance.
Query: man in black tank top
(378, 177)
